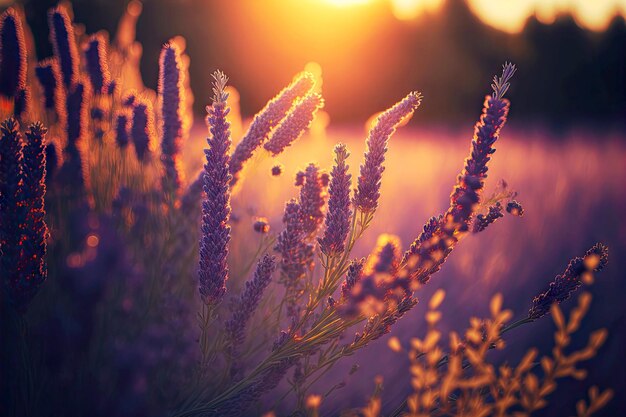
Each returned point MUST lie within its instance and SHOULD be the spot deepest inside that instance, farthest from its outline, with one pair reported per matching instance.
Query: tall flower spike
(368, 188)
(430, 250)
(339, 212)
(13, 64)
(97, 63)
(470, 182)
(32, 264)
(171, 94)
(213, 271)
(64, 45)
(49, 76)
(12, 207)
(76, 115)
(312, 199)
(142, 128)
(564, 285)
(244, 307)
(294, 125)
(264, 121)
(296, 256)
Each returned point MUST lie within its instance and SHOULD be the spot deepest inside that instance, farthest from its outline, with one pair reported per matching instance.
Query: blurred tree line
(567, 75)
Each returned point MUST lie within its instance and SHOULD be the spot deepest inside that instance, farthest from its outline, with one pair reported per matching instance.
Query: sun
(343, 3)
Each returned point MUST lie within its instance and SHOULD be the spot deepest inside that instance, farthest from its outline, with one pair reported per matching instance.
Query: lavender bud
(64, 45)
(171, 94)
(515, 208)
(97, 63)
(264, 121)
(564, 285)
(368, 188)
(339, 212)
(261, 225)
(213, 271)
(296, 122)
(277, 170)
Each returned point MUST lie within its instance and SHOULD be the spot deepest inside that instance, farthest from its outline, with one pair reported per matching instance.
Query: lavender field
(160, 262)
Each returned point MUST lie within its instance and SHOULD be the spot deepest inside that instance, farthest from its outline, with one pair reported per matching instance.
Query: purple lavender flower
(368, 189)
(564, 285)
(47, 72)
(121, 130)
(482, 221)
(32, 262)
(76, 115)
(380, 283)
(213, 271)
(267, 119)
(23, 231)
(97, 63)
(515, 208)
(312, 200)
(142, 128)
(171, 93)
(339, 212)
(244, 307)
(296, 256)
(470, 182)
(13, 61)
(353, 276)
(430, 250)
(294, 124)
(64, 45)
(12, 208)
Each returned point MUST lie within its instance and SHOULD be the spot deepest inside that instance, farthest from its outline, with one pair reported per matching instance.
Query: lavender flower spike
(564, 285)
(142, 128)
(483, 221)
(12, 207)
(244, 307)
(312, 199)
(368, 188)
(97, 63)
(171, 94)
(213, 271)
(49, 76)
(13, 64)
(32, 263)
(470, 182)
(339, 212)
(267, 119)
(64, 45)
(296, 122)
